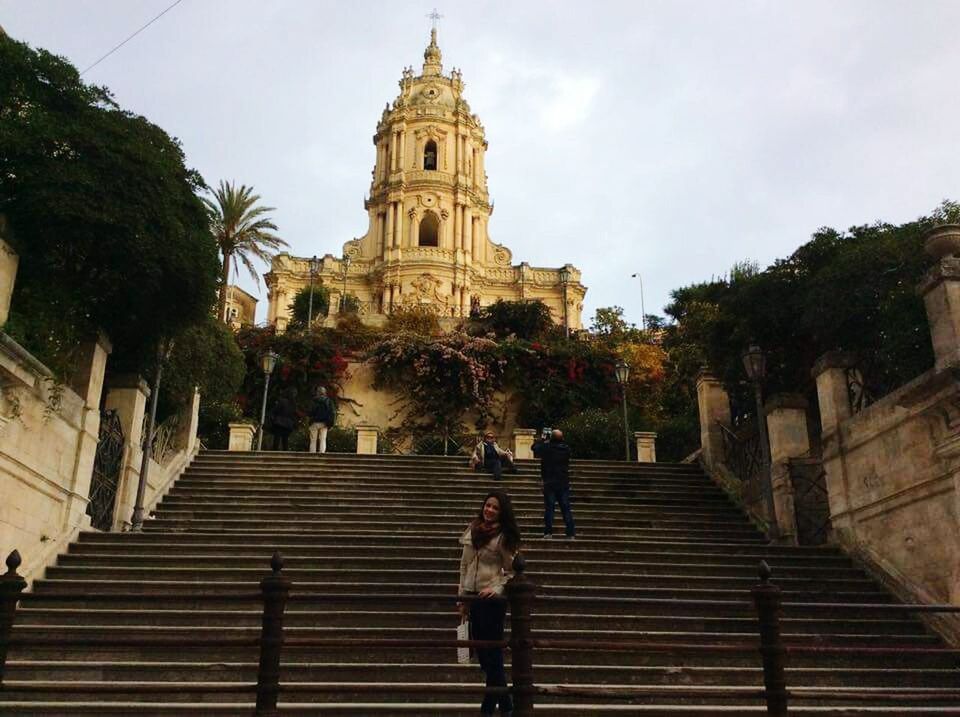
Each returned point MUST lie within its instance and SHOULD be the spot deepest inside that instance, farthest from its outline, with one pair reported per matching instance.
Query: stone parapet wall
(892, 480)
(48, 439)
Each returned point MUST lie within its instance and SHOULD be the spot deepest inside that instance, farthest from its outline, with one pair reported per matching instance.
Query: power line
(131, 37)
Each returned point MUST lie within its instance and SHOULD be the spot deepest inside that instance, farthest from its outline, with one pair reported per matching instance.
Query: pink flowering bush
(440, 378)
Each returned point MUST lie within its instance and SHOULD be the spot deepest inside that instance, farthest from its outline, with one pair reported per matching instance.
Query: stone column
(646, 446)
(366, 439)
(786, 415)
(713, 405)
(388, 236)
(414, 237)
(940, 289)
(467, 230)
(241, 436)
(127, 394)
(457, 226)
(398, 225)
(523, 442)
(403, 149)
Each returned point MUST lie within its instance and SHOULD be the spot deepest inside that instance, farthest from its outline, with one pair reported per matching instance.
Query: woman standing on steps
(490, 542)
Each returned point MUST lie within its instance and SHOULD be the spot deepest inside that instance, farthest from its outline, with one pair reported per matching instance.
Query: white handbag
(463, 633)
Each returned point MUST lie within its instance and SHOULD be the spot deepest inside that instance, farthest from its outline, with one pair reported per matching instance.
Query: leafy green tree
(522, 319)
(300, 308)
(243, 231)
(104, 215)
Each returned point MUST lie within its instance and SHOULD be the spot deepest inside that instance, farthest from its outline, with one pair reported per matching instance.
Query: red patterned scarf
(482, 532)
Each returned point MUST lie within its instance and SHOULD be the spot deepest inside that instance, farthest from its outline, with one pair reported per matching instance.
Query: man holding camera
(554, 457)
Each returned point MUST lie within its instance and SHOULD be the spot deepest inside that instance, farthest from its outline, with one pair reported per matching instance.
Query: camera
(545, 434)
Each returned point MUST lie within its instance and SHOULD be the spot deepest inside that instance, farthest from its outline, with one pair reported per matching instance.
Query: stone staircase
(352, 528)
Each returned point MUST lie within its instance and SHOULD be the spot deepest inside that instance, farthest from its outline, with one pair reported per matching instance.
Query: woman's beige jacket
(488, 567)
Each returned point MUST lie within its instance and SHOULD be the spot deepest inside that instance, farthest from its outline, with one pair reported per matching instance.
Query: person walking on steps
(323, 414)
(554, 457)
(283, 419)
(490, 543)
(490, 457)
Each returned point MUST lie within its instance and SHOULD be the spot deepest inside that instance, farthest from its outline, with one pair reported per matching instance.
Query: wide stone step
(205, 692)
(370, 560)
(536, 551)
(386, 539)
(453, 528)
(413, 517)
(449, 671)
(359, 617)
(460, 504)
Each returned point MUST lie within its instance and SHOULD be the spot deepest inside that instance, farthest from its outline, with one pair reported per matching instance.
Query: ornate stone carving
(502, 255)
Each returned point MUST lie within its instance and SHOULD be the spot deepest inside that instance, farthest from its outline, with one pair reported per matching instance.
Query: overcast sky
(671, 139)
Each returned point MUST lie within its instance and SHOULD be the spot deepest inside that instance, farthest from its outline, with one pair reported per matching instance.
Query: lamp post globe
(622, 372)
(268, 361)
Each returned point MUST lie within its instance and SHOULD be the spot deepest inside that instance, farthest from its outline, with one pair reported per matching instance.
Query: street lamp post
(268, 361)
(314, 266)
(564, 282)
(755, 365)
(623, 374)
(346, 268)
(643, 311)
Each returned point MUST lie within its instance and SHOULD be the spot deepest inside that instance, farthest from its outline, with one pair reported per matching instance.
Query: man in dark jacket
(554, 458)
(323, 414)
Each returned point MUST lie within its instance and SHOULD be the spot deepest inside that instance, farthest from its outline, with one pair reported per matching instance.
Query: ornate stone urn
(943, 241)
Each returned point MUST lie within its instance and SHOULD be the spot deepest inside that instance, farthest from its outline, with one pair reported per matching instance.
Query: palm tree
(242, 231)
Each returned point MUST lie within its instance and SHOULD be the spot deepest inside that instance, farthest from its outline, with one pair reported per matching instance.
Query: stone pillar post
(8, 275)
(189, 421)
(713, 405)
(403, 149)
(523, 442)
(646, 446)
(88, 384)
(833, 393)
(940, 289)
(366, 439)
(786, 416)
(127, 394)
(241, 436)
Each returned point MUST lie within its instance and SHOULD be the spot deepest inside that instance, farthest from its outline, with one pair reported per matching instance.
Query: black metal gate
(106, 471)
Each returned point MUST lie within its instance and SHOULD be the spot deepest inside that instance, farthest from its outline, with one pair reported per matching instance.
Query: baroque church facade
(427, 243)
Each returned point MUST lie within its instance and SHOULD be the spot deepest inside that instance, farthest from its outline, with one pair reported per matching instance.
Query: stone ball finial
(943, 241)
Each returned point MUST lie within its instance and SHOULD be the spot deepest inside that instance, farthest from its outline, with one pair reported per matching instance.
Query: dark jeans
(552, 496)
(281, 437)
(496, 466)
(486, 623)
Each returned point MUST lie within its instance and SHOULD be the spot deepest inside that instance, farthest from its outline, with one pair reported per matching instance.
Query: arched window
(429, 230)
(430, 155)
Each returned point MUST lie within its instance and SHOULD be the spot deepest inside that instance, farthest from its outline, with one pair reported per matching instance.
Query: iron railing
(107, 464)
(742, 454)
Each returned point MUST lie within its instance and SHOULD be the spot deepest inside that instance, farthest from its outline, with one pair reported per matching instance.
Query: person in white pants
(323, 414)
